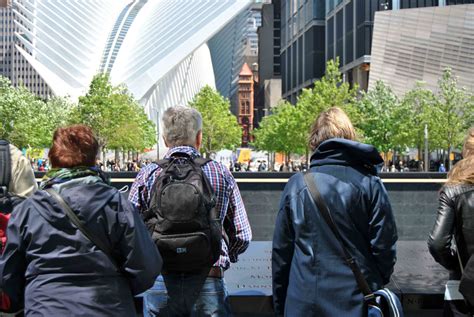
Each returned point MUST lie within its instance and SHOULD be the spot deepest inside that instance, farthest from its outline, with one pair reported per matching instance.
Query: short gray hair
(181, 125)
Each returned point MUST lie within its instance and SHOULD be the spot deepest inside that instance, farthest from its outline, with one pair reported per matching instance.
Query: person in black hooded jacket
(455, 220)
(310, 275)
(50, 268)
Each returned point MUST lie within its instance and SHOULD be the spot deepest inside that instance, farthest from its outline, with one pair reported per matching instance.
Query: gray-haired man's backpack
(182, 216)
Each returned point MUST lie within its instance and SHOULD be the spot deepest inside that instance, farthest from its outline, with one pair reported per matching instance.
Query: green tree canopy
(455, 112)
(329, 91)
(26, 120)
(281, 131)
(59, 112)
(419, 107)
(380, 124)
(287, 128)
(220, 129)
(116, 117)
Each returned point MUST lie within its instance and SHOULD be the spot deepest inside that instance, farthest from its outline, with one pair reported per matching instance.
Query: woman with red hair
(51, 267)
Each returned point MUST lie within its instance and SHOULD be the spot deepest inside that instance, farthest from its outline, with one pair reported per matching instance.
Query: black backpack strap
(462, 267)
(324, 210)
(163, 163)
(200, 161)
(5, 166)
(81, 226)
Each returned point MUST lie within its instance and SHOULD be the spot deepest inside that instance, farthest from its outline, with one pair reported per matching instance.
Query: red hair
(73, 146)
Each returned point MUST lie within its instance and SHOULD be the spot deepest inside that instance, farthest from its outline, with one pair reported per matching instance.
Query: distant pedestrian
(421, 166)
(304, 167)
(441, 168)
(262, 166)
(50, 267)
(455, 222)
(17, 182)
(20, 177)
(310, 276)
(237, 166)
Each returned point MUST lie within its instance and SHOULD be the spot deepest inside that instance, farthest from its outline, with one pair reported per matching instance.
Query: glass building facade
(302, 43)
(314, 31)
(12, 64)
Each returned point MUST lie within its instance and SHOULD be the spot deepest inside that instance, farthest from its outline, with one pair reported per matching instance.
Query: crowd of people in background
(40, 164)
(300, 166)
(113, 165)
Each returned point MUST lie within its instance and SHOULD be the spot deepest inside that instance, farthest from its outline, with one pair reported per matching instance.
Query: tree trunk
(307, 157)
(269, 161)
(117, 157)
(208, 150)
(420, 153)
(450, 148)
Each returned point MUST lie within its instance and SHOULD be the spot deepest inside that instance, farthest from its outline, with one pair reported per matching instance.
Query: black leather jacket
(455, 218)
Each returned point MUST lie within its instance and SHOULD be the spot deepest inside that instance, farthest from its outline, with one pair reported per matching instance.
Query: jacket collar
(350, 153)
(189, 150)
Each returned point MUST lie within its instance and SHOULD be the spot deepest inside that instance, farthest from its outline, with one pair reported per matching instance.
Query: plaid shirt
(229, 202)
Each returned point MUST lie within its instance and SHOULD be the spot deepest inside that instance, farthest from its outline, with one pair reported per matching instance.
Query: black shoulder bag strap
(324, 210)
(201, 161)
(461, 266)
(5, 166)
(80, 225)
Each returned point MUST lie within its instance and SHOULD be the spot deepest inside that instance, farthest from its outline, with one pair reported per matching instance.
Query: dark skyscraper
(268, 92)
(302, 44)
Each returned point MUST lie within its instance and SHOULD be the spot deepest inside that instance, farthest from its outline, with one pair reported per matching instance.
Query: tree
(287, 128)
(58, 114)
(455, 112)
(97, 110)
(281, 131)
(26, 120)
(329, 91)
(143, 135)
(8, 107)
(418, 110)
(220, 129)
(119, 122)
(381, 124)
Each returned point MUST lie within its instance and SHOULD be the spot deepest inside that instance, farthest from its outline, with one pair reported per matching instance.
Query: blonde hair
(463, 171)
(332, 123)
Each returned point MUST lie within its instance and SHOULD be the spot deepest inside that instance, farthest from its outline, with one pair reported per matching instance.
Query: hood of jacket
(85, 195)
(349, 153)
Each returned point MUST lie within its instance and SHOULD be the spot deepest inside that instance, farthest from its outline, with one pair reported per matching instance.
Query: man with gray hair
(185, 294)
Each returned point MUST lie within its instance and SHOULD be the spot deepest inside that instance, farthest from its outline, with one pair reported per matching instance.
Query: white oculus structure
(158, 48)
